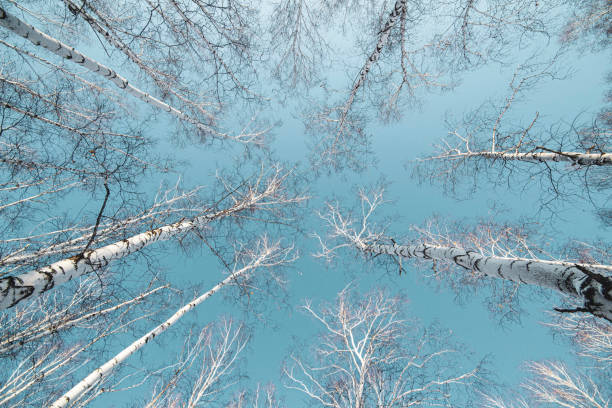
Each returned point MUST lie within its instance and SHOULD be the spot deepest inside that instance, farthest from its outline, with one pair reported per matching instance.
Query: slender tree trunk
(15, 289)
(41, 39)
(585, 159)
(104, 370)
(380, 45)
(592, 284)
(114, 40)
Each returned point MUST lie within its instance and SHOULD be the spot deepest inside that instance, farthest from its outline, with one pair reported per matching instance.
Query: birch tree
(261, 255)
(261, 397)
(43, 244)
(65, 139)
(346, 134)
(568, 161)
(589, 284)
(60, 135)
(369, 354)
(53, 315)
(206, 368)
(203, 123)
(553, 382)
(223, 33)
(43, 343)
(265, 193)
(412, 47)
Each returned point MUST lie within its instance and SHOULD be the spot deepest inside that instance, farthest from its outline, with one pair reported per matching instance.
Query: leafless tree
(222, 32)
(193, 113)
(490, 253)
(587, 385)
(206, 368)
(266, 193)
(264, 255)
(261, 397)
(409, 46)
(61, 134)
(568, 161)
(46, 341)
(369, 354)
(297, 38)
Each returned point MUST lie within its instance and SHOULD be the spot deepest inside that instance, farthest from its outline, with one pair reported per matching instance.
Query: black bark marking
(476, 266)
(569, 285)
(527, 265)
(456, 260)
(50, 281)
(14, 285)
(499, 272)
(589, 300)
(604, 281)
(576, 310)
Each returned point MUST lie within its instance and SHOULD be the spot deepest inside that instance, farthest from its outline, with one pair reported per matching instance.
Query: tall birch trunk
(380, 45)
(14, 289)
(106, 369)
(114, 40)
(41, 39)
(592, 284)
(583, 159)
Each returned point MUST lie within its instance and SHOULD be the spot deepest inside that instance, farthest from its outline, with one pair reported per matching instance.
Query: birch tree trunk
(112, 39)
(106, 369)
(592, 284)
(14, 289)
(41, 39)
(583, 159)
(380, 45)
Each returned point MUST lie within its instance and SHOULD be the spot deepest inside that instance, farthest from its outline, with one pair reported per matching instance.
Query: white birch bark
(592, 284)
(104, 370)
(583, 159)
(14, 289)
(41, 39)
(112, 39)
